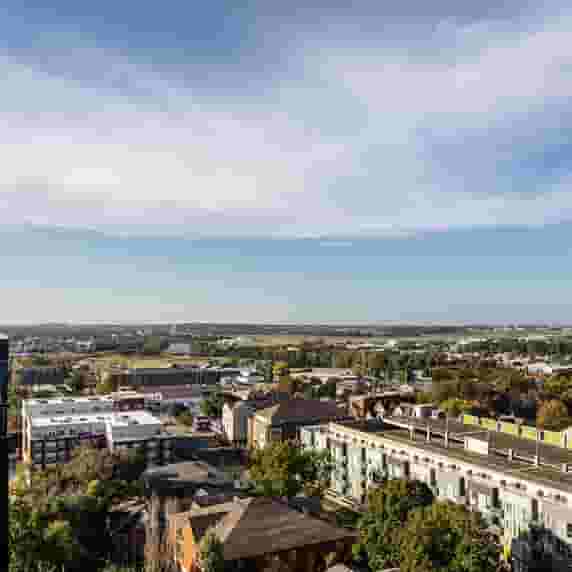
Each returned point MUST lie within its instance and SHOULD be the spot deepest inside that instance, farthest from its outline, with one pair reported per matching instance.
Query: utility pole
(4, 464)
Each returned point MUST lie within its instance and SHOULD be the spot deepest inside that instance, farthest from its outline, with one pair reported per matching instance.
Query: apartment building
(236, 416)
(155, 377)
(283, 421)
(52, 428)
(40, 376)
(516, 485)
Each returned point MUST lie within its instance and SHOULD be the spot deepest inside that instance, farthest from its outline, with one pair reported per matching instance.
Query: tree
(104, 387)
(40, 360)
(388, 509)
(76, 382)
(376, 363)
(443, 374)
(280, 368)
(558, 385)
(445, 537)
(211, 553)
(444, 390)
(212, 405)
(453, 406)
(288, 384)
(551, 413)
(185, 418)
(38, 543)
(284, 469)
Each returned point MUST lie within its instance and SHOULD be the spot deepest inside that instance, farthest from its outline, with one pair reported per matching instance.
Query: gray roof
(179, 475)
(519, 469)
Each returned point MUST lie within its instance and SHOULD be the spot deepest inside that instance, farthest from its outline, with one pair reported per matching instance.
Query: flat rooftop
(500, 442)
(515, 469)
(69, 400)
(115, 419)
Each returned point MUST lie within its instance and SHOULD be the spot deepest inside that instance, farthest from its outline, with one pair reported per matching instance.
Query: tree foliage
(211, 406)
(284, 469)
(454, 406)
(185, 418)
(61, 515)
(446, 537)
(388, 509)
(104, 387)
(551, 413)
(405, 527)
(211, 554)
(37, 541)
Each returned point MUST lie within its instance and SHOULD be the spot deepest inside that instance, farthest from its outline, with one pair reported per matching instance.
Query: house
(282, 421)
(180, 486)
(257, 533)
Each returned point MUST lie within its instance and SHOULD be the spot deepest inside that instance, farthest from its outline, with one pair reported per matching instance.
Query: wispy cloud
(343, 137)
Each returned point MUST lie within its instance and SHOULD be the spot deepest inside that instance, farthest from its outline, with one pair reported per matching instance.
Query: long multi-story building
(178, 374)
(39, 376)
(52, 428)
(517, 485)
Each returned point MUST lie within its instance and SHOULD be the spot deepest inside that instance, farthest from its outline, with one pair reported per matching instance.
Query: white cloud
(376, 142)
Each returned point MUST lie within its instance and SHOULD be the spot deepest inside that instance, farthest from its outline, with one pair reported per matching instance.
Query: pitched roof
(257, 526)
(300, 410)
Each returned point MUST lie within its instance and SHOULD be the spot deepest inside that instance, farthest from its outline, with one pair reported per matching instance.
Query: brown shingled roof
(257, 526)
(294, 410)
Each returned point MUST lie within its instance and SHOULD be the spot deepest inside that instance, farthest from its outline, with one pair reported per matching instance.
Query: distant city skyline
(301, 162)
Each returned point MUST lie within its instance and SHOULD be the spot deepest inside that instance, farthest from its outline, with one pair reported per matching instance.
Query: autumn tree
(453, 406)
(104, 386)
(551, 414)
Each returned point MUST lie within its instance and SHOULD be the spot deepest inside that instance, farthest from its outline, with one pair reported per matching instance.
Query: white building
(52, 428)
(66, 406)
(235, 420)
(249, 377)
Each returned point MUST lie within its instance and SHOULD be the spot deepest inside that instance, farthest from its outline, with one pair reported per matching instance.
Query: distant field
(153, 362)
(297, 339)
(294, 339)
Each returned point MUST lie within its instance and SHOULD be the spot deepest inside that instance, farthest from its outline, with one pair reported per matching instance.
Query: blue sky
(271, 161)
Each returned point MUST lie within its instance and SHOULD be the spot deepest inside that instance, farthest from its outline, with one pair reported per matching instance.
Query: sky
(299, 161)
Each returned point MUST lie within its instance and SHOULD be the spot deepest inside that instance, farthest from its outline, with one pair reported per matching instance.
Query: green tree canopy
(104, 387)
(446, 537)
(284, 469)
(185, 418)
(388, 509)
(211, 554)
(37, 542)
(211, 406)
(453, 406)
